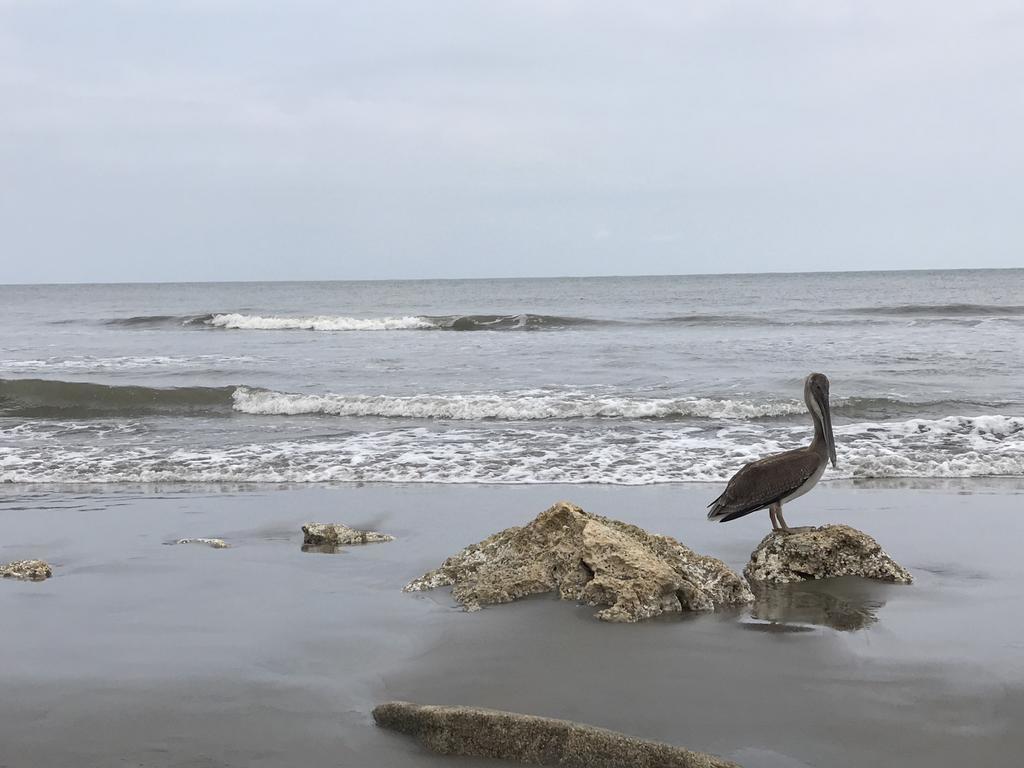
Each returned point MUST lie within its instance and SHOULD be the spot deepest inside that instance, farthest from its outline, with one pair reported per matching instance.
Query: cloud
(414, 137)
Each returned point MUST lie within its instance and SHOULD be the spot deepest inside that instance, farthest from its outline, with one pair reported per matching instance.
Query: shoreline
(262, 654)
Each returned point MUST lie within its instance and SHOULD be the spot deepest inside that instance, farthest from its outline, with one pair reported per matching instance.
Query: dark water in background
(613, 380)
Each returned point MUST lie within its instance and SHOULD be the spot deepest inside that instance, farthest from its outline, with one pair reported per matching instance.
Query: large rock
(26, 570)
(822, 553)
(592, 559)
(529, 739)
(338, 535)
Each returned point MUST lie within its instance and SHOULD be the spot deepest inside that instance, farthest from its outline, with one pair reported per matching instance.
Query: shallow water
(261, 654)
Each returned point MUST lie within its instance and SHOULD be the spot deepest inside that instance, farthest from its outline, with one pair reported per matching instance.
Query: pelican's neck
(819, 444)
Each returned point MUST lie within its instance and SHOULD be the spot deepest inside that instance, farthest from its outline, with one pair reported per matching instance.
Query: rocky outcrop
(327, 536)
(592, 559)
(214, 543)
(528, 739)
(26, 570)
(822, 553)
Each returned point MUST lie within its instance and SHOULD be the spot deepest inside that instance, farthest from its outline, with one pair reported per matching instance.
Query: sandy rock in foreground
(214, 543)
(337, 535)
(26, 570)
(589, 558)
(529, 739)
(822, 553)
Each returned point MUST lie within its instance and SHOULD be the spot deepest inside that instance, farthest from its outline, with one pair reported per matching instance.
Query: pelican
(772, 481)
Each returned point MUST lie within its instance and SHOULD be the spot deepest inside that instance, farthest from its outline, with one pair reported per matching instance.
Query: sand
(136, 653)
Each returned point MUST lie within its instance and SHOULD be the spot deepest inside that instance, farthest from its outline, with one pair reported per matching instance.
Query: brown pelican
(772, 481)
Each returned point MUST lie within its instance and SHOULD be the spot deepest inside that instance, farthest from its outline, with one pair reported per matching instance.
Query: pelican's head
(816, 397)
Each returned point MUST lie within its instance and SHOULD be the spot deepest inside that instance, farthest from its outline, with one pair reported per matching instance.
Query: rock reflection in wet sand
(846, 604)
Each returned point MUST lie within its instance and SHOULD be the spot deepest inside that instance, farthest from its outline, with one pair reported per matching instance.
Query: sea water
(625, 380)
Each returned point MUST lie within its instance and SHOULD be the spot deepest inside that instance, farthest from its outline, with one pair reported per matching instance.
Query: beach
(140, 653)
(375, 379)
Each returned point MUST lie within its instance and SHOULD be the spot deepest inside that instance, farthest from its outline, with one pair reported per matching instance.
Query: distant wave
(941, 310)
(240, 321)
(521, 322)
(123, 363)
(951, 447)
(49, 398)
(237, 321)
(156, 321)
(698, 319)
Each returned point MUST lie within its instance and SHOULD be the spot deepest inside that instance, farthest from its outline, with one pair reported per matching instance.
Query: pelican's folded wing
(763, 482)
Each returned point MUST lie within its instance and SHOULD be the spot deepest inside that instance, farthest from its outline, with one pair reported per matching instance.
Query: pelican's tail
(719, 511)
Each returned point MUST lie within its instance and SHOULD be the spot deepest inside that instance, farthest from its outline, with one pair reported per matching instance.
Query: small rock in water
(215, 543)
(477, 732)
(592, 559)
(326, 536)
(822, 553)
(26, 570)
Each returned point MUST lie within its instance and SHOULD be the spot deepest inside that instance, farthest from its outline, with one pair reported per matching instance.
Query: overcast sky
(247, 140)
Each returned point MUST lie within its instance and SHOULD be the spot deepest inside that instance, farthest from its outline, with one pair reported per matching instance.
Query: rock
(528, 739)
(822, 553)
(26, 570)
(215, 543)
(592, 559)
(338, 535)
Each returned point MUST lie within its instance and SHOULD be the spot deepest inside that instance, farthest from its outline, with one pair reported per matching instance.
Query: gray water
(576, 380)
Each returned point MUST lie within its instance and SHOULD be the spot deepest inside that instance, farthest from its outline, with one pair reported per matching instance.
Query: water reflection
(846, 604)
(323, 549)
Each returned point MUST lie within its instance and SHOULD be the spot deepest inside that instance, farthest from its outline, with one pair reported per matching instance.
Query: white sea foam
(319, 323)
(953, 447)
(526, 405)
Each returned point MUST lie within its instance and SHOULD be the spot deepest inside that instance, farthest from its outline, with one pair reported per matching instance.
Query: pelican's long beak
(826, 417)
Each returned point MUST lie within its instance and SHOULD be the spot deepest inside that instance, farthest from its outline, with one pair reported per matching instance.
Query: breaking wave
(528, 322)
(48, 398)
(236, 321)
(506, 406)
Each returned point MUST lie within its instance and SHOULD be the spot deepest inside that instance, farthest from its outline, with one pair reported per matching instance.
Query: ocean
(619, 380)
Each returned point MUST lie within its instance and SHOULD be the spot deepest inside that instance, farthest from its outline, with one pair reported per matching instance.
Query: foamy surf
(952, 447)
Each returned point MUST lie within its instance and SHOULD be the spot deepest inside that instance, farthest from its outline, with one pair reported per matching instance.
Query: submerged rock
(822, 553)
(528, 739)
(26, 570)
(589, 558)
(215, 543)
(325, 537)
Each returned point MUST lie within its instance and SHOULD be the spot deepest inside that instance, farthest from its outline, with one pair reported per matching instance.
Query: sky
(249, 140)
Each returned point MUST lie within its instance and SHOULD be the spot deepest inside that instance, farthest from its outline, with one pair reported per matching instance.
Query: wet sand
(137, 653)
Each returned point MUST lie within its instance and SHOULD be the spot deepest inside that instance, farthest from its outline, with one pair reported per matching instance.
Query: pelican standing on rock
(772, 481)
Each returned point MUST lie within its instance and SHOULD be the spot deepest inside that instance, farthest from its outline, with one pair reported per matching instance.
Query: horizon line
(523, 277)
